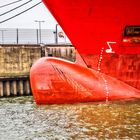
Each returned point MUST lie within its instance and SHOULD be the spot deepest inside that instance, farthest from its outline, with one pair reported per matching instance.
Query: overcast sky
(26, 20)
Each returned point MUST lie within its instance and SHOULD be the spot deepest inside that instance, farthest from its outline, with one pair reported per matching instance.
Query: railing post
(37, 36)
(17, 37)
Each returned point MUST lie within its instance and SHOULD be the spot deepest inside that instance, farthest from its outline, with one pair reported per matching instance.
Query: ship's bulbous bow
(55, 81)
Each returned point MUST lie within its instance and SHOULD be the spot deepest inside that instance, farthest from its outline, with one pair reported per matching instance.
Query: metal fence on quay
(31, 36)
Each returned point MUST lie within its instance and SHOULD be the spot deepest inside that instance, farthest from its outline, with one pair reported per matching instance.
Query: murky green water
(21, 119)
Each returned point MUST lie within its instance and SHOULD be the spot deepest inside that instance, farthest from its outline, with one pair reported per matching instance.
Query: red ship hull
(54, 80)
(107, 36)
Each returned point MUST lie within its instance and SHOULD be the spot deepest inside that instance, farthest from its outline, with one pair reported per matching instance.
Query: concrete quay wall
(16, 61)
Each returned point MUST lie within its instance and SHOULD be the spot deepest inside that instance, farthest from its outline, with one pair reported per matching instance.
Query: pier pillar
(20, 87)
(14, 88)
(27, 87)
(63, 53)
(1, 88)
(7, 88)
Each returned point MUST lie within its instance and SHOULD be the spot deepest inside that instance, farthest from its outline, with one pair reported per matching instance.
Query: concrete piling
(15, 87)
(7, 88)
(20, 88)
(27, 87)
(1, 89)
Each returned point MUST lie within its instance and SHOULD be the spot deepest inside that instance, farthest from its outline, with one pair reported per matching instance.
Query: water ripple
(21, 119)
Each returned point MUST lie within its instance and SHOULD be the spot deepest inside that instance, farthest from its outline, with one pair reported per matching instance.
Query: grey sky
(26, 20)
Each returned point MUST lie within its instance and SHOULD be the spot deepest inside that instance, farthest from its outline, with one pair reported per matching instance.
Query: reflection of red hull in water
(107, 36)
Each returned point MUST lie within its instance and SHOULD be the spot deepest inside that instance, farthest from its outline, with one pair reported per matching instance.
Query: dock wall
(16, 61)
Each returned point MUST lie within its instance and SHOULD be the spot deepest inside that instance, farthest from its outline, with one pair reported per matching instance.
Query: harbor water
(22, 119)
